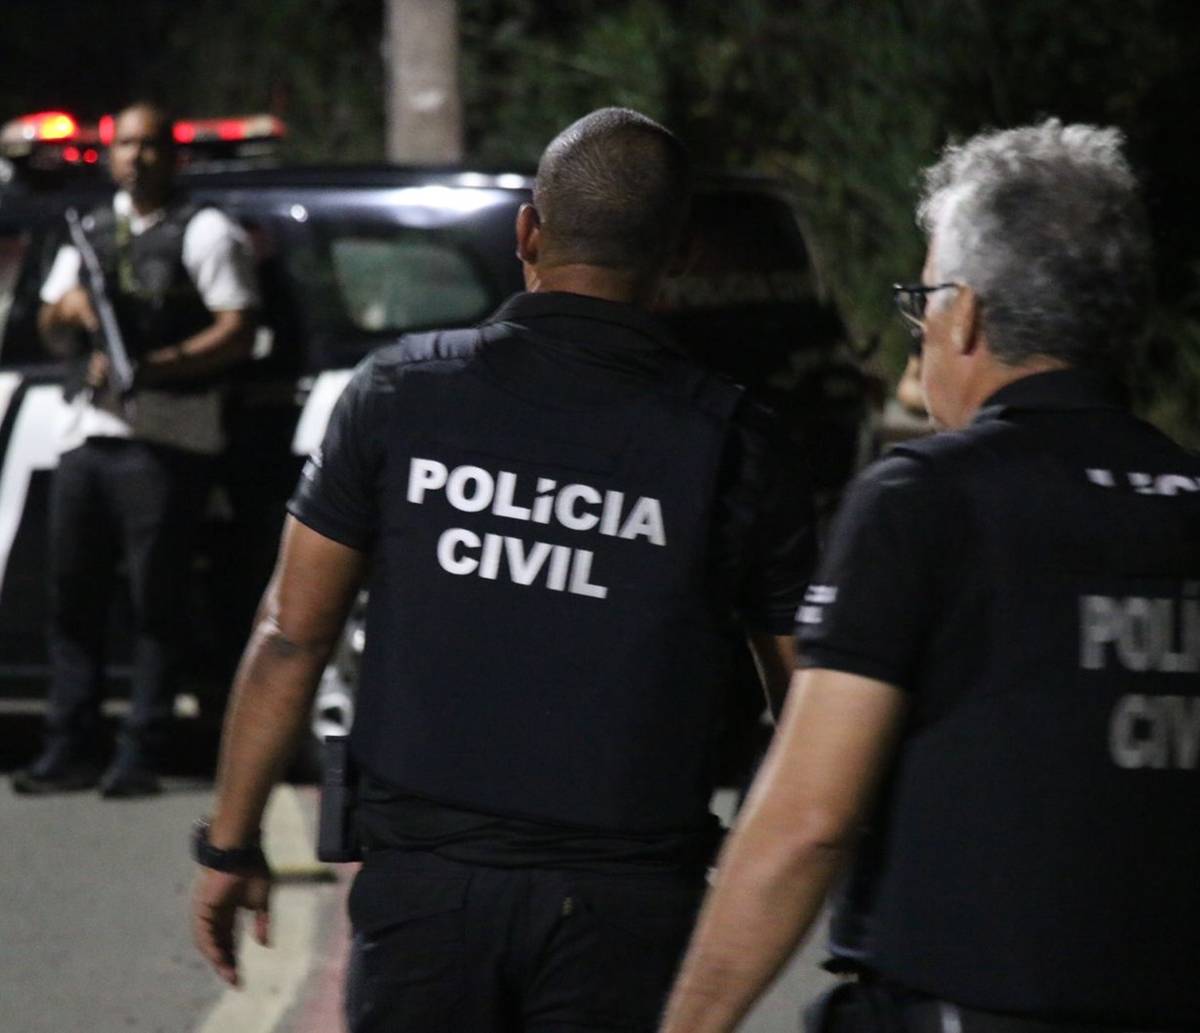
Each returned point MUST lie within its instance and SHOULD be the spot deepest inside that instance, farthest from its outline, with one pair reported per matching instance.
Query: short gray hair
(1045, 224)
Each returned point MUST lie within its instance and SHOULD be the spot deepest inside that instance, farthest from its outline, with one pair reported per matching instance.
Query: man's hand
(216, 898)
(75, 309)
(295, 632)
(97, 371)
(59, 320)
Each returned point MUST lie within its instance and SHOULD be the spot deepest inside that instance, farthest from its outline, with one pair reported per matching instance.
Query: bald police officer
(1004, 634)
(565, 522)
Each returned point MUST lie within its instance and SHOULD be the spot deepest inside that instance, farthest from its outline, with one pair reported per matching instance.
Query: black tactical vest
(1038, 846)
(154, 298)
(544, 640)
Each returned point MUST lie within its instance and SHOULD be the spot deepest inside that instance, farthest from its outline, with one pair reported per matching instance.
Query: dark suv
(350, 258)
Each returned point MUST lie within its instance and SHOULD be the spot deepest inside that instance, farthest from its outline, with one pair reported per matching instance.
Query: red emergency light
(228, 130)
(54, 125)
(45, 125)
(49, 140)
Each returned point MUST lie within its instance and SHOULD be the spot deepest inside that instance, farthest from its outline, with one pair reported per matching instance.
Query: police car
(350, 257)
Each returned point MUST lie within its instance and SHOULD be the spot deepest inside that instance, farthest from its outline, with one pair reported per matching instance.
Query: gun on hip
(121, 371)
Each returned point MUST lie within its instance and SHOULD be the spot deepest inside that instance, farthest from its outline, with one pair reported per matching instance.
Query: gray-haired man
(1003, 646)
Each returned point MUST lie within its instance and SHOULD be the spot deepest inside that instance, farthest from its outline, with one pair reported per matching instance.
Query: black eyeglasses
(911, 299)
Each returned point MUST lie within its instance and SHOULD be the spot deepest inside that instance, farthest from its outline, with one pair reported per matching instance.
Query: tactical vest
(1038, 846)
(154, 298)
(543, 638)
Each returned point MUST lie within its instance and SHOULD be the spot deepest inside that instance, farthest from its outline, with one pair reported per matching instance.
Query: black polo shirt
(569, 353)
(1032, 582)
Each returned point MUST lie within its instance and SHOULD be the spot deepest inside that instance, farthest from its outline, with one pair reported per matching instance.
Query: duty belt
(934, 1016)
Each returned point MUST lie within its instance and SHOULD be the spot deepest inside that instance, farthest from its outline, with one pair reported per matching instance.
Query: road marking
(186, 706)
(272, 977)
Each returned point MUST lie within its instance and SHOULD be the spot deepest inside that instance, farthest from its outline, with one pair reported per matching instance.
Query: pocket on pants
(619, 947)
(406, 966)
(383, 899)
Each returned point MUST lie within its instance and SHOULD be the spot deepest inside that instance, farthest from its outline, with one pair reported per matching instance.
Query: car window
(370, 281)
(391, 284)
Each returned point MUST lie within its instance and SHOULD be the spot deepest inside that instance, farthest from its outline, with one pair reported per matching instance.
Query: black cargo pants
(111, 499)
(443, 947)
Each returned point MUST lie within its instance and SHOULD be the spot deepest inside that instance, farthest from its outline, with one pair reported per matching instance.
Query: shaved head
(612, 190)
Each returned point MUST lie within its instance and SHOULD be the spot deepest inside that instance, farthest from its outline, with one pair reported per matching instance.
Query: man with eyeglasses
(1003, 647)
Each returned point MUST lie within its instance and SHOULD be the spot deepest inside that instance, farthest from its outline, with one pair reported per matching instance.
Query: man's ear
(529, 234)
(966, 327)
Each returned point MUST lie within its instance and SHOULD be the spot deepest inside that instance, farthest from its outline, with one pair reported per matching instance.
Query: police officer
(1005, 633)
(132, 476)
(563, 518)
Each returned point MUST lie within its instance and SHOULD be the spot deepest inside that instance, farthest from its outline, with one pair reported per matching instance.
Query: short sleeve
(766, 521)
(336, 495)
(63, 275)
(870, 607)
(218, 258)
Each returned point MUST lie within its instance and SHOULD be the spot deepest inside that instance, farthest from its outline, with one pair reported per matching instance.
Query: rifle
(121, 371)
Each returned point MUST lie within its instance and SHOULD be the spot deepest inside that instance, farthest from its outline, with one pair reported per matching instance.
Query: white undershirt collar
(138, 224)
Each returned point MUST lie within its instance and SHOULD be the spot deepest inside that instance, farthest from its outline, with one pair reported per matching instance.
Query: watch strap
(234, 859)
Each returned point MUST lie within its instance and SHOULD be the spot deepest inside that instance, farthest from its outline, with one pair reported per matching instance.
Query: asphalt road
(93, 917)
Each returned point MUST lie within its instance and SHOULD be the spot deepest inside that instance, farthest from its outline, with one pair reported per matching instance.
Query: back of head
(612, 190)
(1044, 223)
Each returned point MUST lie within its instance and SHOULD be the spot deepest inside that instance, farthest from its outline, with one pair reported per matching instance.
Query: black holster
(853, 1006)
(337, 829)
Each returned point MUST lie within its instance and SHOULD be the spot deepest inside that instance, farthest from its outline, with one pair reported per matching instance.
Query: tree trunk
(424, 109)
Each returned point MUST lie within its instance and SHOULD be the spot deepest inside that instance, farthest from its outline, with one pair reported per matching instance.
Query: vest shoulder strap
(181, 213)
(432, 346)
(958, 446)
(709, 392)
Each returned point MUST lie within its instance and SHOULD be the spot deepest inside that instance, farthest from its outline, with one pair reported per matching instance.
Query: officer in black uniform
(1015, 601)
(133, 472)
(566, 521)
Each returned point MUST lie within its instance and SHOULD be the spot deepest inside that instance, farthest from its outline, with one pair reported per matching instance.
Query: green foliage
(315, 63)
(848, 101)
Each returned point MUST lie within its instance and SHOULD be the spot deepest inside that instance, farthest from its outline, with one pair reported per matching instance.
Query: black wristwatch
(234, 860)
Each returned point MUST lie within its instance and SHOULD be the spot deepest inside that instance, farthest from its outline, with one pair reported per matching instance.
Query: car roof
(384, 174)
(240, 175)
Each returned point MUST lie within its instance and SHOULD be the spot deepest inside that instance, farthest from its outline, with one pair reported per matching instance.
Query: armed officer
(564, 520)
(132, 476)
(1004, 633)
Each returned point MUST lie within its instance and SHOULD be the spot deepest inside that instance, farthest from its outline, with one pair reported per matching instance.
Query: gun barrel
(121, 368)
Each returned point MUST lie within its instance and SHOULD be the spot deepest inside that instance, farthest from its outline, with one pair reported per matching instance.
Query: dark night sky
(84, 57)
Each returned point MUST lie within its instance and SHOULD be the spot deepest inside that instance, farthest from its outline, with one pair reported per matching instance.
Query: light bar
(228, 130)
(22, 133)
(49, 139)
(51, 125)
